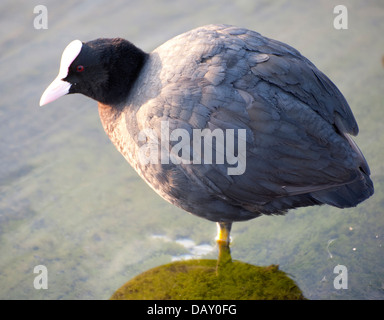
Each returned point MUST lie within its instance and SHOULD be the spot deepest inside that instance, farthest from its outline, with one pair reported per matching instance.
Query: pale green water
(69, 201)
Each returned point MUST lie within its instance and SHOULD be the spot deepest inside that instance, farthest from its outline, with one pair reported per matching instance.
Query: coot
(222, 122)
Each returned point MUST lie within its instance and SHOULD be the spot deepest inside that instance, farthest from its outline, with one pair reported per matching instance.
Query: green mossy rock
(204, 280)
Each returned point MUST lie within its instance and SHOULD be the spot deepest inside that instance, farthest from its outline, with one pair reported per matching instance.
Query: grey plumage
(299, 152)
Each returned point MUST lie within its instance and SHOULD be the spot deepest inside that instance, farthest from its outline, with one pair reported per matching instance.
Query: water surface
(70, 202)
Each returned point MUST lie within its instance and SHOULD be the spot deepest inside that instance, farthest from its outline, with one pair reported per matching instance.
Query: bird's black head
(102, 69)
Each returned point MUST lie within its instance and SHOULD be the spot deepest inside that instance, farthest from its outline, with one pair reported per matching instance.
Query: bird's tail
(349, 195)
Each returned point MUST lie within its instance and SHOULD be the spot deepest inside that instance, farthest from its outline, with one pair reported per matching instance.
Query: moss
(203, 279)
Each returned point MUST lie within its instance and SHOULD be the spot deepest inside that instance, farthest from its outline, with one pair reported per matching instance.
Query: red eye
(80, 68)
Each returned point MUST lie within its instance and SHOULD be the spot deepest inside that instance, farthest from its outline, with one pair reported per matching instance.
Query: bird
(222, 122)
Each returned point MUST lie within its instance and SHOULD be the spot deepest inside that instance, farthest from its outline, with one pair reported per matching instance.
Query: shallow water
(70, 202)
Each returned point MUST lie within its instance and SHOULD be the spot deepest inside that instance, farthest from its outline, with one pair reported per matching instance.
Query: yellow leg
(223, 240)
(223, 232)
